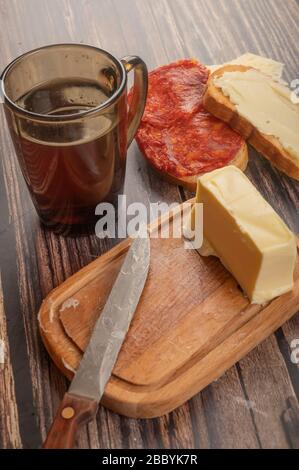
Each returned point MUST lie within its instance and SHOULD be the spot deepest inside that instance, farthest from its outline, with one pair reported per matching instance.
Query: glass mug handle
(138, 101)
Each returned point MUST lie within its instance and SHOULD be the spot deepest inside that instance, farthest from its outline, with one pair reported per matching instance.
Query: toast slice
(190, 182)
(269, 146)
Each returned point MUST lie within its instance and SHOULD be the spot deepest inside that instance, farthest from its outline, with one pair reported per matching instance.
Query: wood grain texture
(10, 433)
(243, 408)
(178, 343)
(291, 420)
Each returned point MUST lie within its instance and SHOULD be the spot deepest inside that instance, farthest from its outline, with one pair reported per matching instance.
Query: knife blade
(80, 403)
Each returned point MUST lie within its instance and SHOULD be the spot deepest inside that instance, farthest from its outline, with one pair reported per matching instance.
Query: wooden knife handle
(74, 411)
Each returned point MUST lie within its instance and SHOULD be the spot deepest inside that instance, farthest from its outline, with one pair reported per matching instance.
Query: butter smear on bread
(265, 103)
(268, 66)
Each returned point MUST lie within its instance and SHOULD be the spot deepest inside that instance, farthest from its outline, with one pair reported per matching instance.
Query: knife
(80, 403)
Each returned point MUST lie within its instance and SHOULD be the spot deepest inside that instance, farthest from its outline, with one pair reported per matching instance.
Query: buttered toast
(271, 146)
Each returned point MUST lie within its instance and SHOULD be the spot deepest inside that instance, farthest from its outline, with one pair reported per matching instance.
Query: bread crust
(269, 146)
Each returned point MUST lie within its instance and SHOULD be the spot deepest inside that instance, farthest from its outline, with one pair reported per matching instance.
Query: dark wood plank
(251, 397)
(10, 432)
(290, 419)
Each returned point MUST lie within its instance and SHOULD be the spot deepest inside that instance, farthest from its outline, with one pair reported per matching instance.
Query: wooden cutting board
(192, 323)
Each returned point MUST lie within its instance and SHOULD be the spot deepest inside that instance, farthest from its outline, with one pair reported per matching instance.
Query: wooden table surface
(255, 404)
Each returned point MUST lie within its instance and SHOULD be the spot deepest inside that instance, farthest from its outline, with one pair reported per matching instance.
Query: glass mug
(66, 108)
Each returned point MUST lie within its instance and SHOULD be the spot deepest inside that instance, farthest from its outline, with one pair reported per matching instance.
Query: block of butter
(248, 236)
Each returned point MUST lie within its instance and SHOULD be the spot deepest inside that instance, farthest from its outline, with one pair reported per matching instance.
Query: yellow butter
(266, 104)
(268, 66)
(248, 236)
